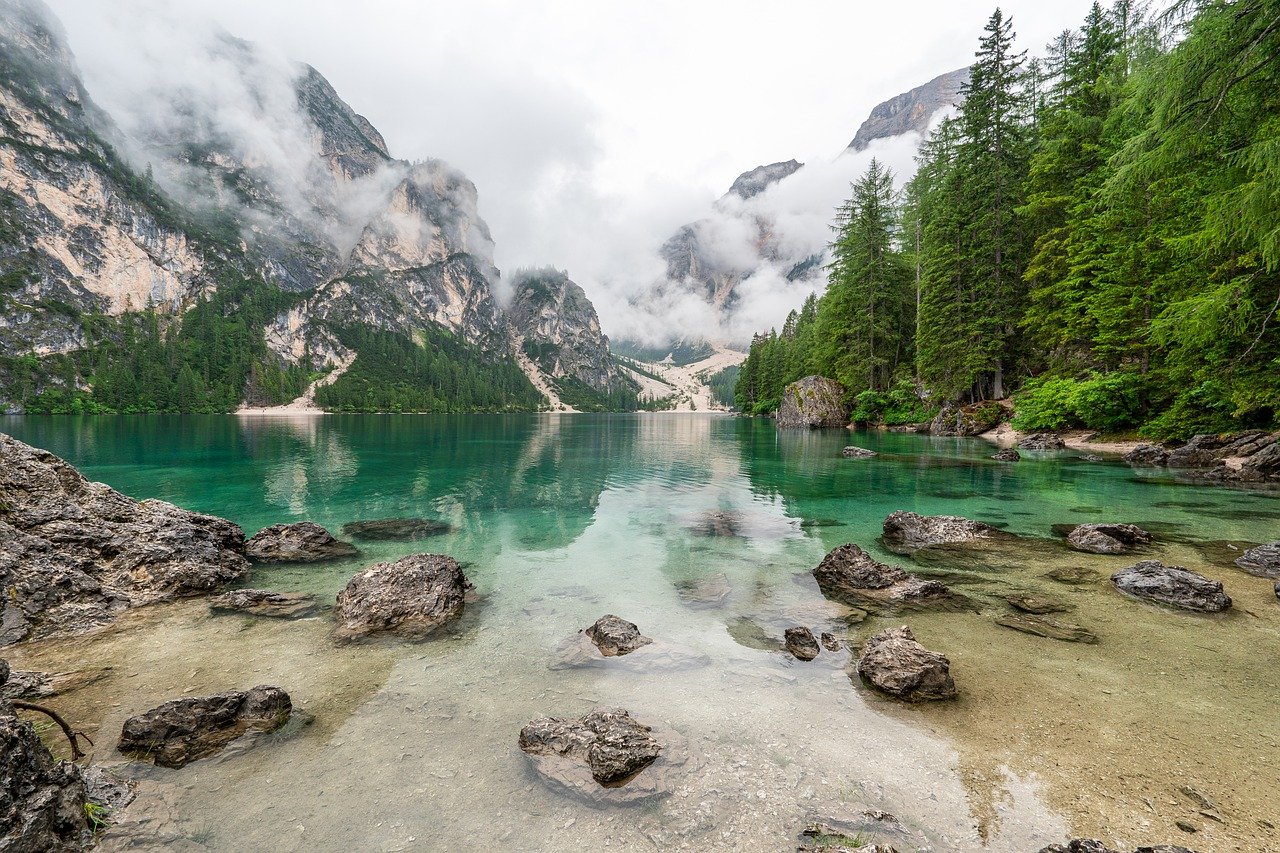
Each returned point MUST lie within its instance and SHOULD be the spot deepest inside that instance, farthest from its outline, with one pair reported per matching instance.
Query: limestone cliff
(911, 111)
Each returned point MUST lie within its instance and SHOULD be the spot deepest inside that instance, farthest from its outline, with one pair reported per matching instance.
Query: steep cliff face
(757, 180)
(911, 111)
(557, 328)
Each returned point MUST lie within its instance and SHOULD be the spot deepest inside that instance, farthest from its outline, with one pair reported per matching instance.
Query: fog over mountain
(587, 152)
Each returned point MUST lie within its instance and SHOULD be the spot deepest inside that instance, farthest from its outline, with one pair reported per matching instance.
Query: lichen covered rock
(412, 597)
(813, 402)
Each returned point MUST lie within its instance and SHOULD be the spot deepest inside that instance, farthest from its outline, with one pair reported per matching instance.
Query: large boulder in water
(42, 801)
(615, 636)
(967, 420)
(851, 575)
(183, 730)
(411, 597)
(1147, 456)
(75, 554)
(606, 756)
(1262, 561)
(894, 662)
(301, 542)
(904, 532)
(1107, 538)
(1042, 441)
(1175, 586)
(813, 402)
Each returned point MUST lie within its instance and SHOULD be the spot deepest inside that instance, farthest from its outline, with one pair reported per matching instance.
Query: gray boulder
(967, 420)
(1042, 626)
(1262, 561)
(894, 662)
(412, 597)
(302, 542)
(853, 452)
(76, 554)
(1202, 451)
(1147, 456)
(183, 730)
(813, 402)
(615, 636)
(1175, 586)
(609, 743)
(904, 532)
(42, 801)
(801, 643)
(851, 575)
(1042, 441)
(1007, 455)
(1107, 538)
(264, 602)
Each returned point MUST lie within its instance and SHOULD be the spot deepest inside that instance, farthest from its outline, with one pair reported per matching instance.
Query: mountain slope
(911, 111)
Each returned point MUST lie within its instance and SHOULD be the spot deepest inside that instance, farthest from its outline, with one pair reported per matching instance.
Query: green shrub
(1104, 401)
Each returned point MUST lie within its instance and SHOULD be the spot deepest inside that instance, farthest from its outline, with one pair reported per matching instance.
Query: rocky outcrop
(755, 181)
(1107, 538)
(1247, 457)
(967, 420)
(1262, 561)
(852, 452)
(34, 684)
(1042, 441)
(183, 730)
(396, 529)
(608, 744)
(615, 636)
(905, 532)
(1007, 455)
(801, 643)
(894, 662)
(412, 597)
(911, 111)
(264, 602)
(1041, 626)
(1152, 580)
(75, 554)
(853, 576)
(301, 542)
(560, 332)
(1147, 456)
(868, 831)
(813, 402)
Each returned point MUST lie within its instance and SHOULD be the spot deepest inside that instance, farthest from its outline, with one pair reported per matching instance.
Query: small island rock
(909, 531)
(411, 597)
(1262, 561)
(894, 662)
(853, 452)
(615, 636)
(1042, 441)
(813, 402)
(1007, 455)
(1147, 456)
(608, 742)
(183, 730)
(801, 643)
(1107, 538)
(851, 575)
(1172, 585)
(302, 542)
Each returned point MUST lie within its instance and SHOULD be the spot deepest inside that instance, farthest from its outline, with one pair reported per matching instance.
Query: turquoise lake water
(561, 519)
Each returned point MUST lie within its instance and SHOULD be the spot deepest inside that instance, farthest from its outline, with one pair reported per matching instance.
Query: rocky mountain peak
(911, 110)
(755, 181)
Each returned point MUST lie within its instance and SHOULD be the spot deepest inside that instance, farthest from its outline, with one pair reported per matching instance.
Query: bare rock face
(752, 183)
(1262, 561)
(908, 531)
(1042, 441)
(183, 730)
(608, 745)
(1147, 456)
(967, 420)
(1175, 586)
(853, 576)
(301, 542)
(412, 597)
(801, 643)
(894, 662)
(264, 602)
(75, 554)
(813, 402)
(911, 110)
(42, 801)
(1108, 538)
(615, 636)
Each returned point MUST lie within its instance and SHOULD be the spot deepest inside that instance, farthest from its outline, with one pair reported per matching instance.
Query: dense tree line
(1096, 230)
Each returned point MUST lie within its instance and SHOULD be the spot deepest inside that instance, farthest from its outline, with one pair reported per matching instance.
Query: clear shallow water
(563, 519)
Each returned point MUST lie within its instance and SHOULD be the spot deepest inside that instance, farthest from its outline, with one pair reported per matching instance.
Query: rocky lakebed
(694, 664)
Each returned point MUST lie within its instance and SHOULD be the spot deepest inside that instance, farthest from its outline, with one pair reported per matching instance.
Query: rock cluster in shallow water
(183, 730)
(300, 542)
(1174, 586)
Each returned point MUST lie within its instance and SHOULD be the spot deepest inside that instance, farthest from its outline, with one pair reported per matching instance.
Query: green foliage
(1109, 402)
(581, 396)
(682, 352)
(436, 373)
(901, 404)
(722, 383)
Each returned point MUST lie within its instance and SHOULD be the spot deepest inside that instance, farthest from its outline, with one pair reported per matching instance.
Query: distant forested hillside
(1096, 231)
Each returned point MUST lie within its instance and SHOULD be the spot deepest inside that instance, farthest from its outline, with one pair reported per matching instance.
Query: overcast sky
(593, 129)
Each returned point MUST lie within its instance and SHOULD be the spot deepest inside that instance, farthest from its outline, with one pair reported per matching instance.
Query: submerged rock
(1037, 604)
(396, 529)
(183, 730)
(76, 554)
(1089, 845)
(1107, 538)
(1176, 586)
(42, 801)
(1147, 456)
(1262, 561)
(1042, 441)
(302, 542)
(894, 662)
(853, 576)
(870, 831)
(264, 602)
(852, 452)
(801, 643)
(603, 756)
(813, 402)
(1044, 627)
(1074, 575)
(654, 656)
(411, 597)
(614, 635)
(831, 642)
(1007, 455)
(909, 531)
(753, 635)
(710, 591)
(32, 684)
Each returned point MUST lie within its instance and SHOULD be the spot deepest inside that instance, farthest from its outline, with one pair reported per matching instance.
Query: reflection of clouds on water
(307, 459)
